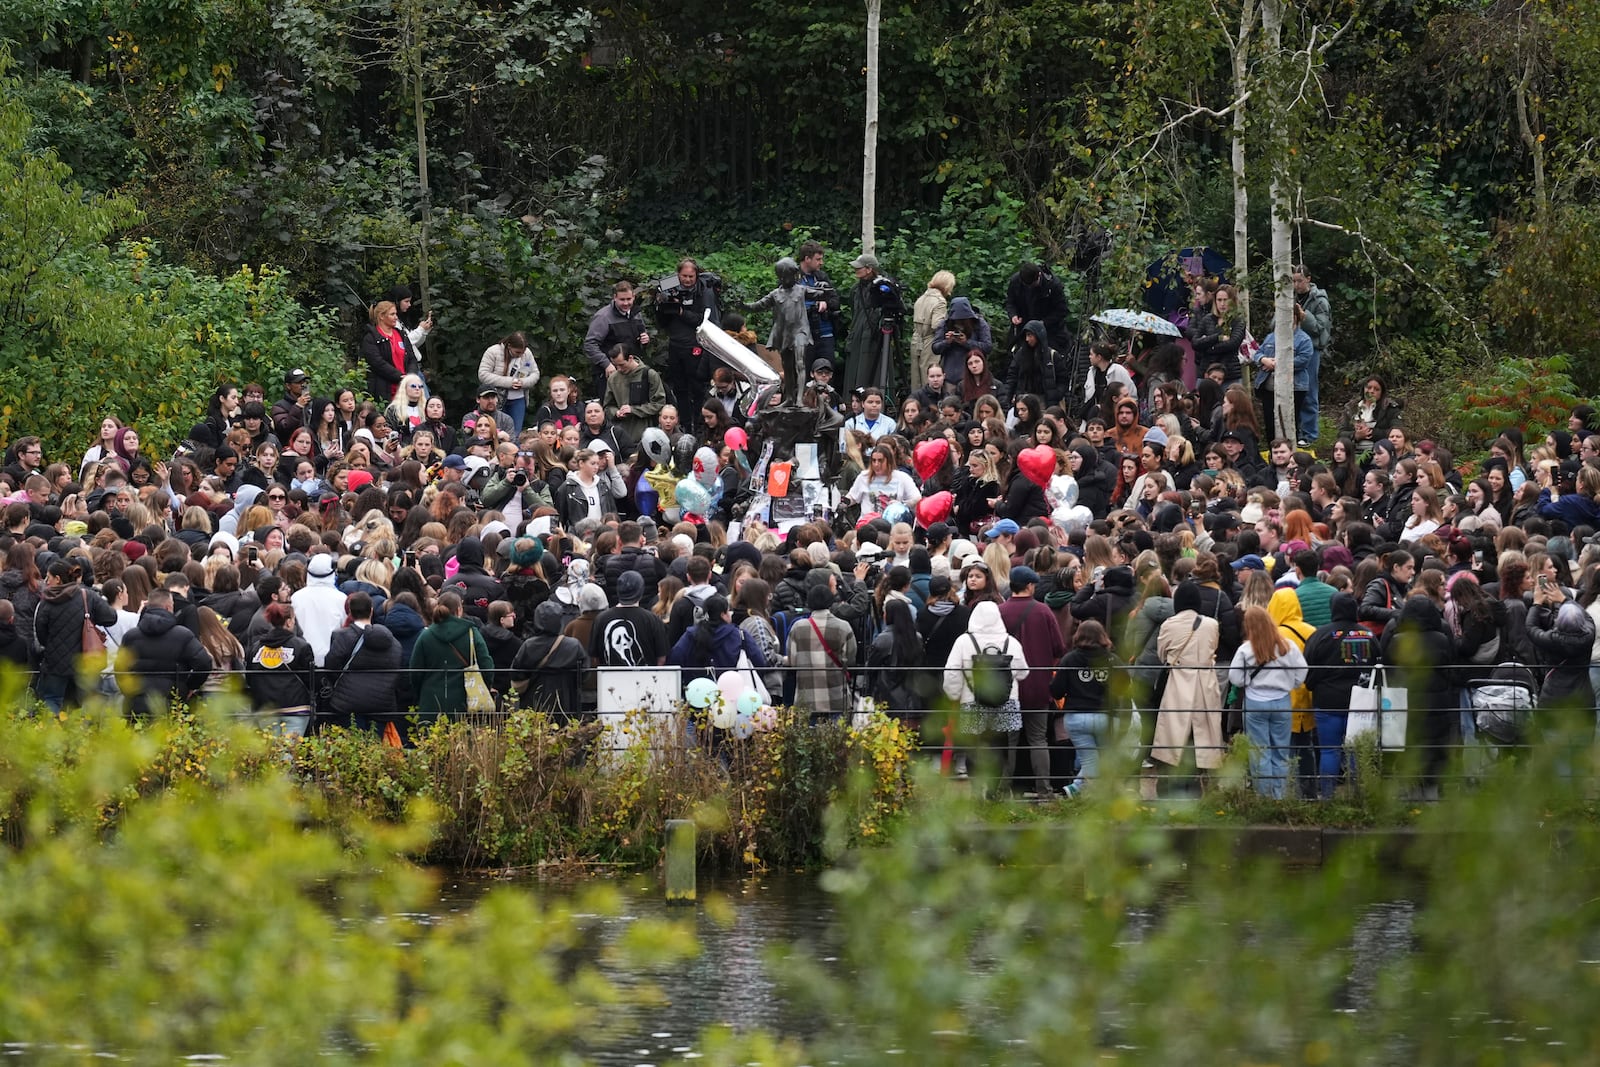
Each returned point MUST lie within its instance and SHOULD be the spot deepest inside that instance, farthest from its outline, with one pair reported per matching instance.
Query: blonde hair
(378, 572)
(943, 281)
(999, 561)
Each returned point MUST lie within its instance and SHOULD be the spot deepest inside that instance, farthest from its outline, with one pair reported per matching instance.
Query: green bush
(150, 342)
(217, 917)
(969, 942)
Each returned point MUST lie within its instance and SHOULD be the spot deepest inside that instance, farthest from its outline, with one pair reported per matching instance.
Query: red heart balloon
(1038, 464)
(935, 508)
(929, 456)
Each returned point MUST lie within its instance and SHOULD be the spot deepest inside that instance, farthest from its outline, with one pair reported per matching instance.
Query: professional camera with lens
(887, 298)
(519, 478)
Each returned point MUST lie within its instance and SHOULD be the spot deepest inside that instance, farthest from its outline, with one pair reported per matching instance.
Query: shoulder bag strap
(827, 647)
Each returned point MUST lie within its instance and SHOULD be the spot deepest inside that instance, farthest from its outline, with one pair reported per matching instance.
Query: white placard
(619, 690)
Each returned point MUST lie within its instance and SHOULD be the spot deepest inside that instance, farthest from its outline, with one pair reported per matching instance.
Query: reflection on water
(728, 982)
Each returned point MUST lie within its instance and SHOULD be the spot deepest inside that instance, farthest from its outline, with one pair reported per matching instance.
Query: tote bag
(1377, 707)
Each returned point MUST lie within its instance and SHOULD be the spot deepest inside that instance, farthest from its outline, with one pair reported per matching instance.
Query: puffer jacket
(158, 659)
(58, 625)
(367, 679)
(26, 601)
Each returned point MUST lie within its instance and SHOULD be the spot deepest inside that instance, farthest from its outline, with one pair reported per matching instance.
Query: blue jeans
(1311, 405)
(518, 410)
(52, 689)
(1267, 724)
(1086, 728)
(1330, 750)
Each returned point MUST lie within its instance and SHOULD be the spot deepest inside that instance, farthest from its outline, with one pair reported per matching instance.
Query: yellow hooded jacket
(1284, 607)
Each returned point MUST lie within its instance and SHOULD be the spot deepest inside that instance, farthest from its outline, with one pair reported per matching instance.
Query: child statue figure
(791, 326)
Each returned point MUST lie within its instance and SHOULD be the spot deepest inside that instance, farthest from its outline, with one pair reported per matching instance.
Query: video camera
(887, 299)
(670, 290)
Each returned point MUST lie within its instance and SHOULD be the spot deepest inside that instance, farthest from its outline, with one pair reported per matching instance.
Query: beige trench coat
(1192, 702)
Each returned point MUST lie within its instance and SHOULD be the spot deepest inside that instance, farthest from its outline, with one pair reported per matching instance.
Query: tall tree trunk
(1283, 420)
(869, 153)
(1241, 192)
(1533, 140)
(424, 189)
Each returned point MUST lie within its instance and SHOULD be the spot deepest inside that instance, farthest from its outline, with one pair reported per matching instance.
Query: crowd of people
(1025, 544)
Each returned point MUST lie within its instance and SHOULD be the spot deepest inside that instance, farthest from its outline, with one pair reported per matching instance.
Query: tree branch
(1194, 113)
(1369, 243)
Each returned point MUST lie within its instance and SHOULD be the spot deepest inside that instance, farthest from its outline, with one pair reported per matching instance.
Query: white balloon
(723, 716)
(1063, 491)
(1071, 518)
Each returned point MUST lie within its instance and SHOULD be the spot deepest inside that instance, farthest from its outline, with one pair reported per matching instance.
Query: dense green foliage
(173, 891)
(1437, 155)
(964, 944)
(219, 918)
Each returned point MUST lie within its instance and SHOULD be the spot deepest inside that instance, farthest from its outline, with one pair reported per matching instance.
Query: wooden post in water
(680, 861)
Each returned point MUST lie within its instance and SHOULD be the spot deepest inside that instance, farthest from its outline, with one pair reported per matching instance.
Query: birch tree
(869, 151)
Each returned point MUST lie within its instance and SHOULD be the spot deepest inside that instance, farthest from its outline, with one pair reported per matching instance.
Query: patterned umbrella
(1129, 319)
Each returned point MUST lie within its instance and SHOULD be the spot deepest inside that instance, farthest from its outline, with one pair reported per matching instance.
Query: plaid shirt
(820, 685)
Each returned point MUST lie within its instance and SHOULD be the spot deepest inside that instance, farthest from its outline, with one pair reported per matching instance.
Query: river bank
(527, 793)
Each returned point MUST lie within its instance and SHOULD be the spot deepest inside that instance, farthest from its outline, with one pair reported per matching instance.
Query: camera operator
(827, 323)
(962, 331)
(618, 323)
(1035, 293)
(511, 488)
(681, 305)
(877, 313)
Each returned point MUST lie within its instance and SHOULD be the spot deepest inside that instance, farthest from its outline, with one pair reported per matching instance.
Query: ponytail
(446, 607)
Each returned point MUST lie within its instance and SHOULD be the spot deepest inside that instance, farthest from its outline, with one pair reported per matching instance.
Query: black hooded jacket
(1419, 645)
(1096, 481)
(159, 658)
(1038, 369)
(1108, 603)
(1339, 655)
(366, 678)
(478, 590)
(546, 669)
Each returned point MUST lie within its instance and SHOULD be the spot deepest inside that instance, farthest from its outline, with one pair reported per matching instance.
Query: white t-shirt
(591, 494)
(874, 494)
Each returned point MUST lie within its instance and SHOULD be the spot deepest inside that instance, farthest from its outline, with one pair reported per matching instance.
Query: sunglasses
(276, 496)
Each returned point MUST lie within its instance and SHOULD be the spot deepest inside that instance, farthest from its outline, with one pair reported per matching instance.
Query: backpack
(989, 674)
(782, 623)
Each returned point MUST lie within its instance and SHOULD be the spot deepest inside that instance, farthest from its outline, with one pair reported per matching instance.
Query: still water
(728, 982)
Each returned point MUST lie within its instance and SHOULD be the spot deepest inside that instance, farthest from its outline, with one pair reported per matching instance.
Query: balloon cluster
(736, 706)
